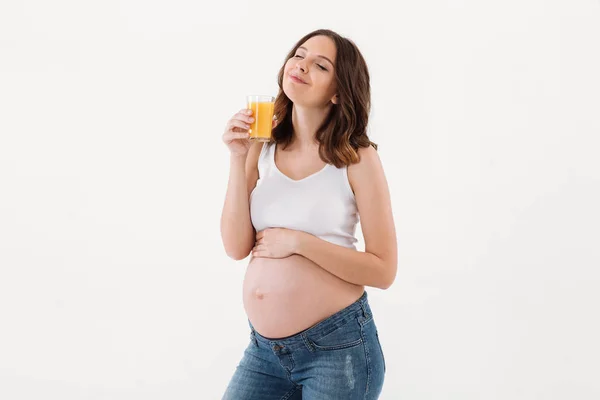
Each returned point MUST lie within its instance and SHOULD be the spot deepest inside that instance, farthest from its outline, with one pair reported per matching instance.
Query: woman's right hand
(236, 136)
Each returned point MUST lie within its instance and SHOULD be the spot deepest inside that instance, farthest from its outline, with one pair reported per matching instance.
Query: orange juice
(262, 112)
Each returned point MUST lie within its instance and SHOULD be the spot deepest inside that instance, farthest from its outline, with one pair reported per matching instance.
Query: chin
(291, 93)
(295, 97)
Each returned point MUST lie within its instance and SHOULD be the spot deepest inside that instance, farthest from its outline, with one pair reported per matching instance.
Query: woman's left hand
(276, 243)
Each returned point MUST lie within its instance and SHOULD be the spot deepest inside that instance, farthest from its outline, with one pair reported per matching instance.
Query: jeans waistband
(360, 307)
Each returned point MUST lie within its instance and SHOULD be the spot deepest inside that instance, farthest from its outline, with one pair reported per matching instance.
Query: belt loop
(308, 343)
(253, 336)
(364, 309)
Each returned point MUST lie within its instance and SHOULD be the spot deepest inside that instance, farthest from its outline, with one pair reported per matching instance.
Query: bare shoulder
(369, 167)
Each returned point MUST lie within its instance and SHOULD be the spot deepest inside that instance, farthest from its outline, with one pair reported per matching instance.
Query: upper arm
(371, 191)
(252, 166)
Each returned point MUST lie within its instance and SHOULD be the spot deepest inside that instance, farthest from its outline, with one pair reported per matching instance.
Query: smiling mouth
(298, 80)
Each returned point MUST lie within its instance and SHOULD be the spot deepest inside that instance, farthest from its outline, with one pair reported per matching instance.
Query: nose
(300, 65)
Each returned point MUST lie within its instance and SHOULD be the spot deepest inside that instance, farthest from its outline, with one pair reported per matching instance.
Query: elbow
(235, 248)
(237, 255)
(385, 285)
(237, 252)
(388, 277)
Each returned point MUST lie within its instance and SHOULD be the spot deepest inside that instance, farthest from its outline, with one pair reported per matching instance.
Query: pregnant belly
(285, 296)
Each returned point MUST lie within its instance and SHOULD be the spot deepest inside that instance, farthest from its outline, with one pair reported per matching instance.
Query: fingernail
(248, 111)
(251, 119)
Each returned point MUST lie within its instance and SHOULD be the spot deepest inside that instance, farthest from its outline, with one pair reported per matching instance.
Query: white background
(113, 280)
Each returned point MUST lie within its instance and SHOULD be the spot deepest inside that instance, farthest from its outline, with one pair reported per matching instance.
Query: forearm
(237, 232)
(357, 267)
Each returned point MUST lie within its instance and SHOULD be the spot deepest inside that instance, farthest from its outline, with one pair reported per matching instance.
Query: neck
(306, 121)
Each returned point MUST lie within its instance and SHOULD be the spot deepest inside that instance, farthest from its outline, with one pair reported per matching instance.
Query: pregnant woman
(292, 204)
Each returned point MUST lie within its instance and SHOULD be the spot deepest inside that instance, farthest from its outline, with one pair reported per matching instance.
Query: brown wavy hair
(344, 129)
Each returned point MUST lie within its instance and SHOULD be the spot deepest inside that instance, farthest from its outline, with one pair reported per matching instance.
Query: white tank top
(321, 204)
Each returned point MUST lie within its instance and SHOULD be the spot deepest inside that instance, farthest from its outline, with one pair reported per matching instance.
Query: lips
(297, 79)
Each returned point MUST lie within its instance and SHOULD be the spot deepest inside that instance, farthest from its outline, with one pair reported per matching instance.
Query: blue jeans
(338, 358)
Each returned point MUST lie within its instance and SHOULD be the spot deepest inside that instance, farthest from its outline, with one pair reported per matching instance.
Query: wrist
(238, 158)
(300, 242)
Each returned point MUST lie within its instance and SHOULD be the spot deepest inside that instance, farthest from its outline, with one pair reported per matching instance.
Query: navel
(258, 294)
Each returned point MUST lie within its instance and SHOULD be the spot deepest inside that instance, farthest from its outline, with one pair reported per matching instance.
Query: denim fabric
(339, 358)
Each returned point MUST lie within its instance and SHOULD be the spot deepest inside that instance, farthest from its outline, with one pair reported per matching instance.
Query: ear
(335, 99)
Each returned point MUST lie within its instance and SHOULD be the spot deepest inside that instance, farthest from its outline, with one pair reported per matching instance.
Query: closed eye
(318, 65)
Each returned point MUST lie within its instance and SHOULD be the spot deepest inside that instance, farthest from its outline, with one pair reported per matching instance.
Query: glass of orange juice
(262, 111)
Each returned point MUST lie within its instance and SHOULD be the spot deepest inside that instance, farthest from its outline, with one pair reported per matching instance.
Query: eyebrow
(318, 55)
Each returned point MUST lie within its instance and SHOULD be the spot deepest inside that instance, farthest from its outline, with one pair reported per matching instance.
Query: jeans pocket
(347, 335)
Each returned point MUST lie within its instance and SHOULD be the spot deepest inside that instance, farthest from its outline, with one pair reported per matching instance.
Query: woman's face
(313, 63)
